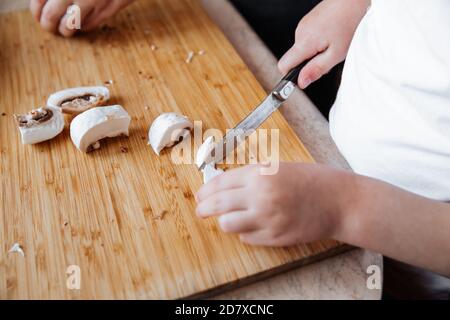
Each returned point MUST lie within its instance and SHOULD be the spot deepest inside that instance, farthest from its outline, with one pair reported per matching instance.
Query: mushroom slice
(209, 171)
(78, 100)
(204, 151)
(40, 125)
(88, 128)
(167, 130)
(17, 248)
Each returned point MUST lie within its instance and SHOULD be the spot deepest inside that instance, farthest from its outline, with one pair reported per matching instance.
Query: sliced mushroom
(209, 171)
(167, 130)
(78, 100)
(204, 151)
(88, 128)
(40, 125)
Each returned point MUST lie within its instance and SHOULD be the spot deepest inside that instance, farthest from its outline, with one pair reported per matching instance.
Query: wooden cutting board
(127, 220)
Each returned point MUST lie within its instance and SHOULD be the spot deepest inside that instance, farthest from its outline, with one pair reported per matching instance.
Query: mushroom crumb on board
(190, 57)
(124, 149)
(192, 54)
(17, 248)
(3, 114)
(161, 215)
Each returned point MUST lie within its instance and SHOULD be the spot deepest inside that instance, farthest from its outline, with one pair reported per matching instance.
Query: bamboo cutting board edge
(208, 294)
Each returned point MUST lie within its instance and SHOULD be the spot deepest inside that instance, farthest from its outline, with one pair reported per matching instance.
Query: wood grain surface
(127, 219)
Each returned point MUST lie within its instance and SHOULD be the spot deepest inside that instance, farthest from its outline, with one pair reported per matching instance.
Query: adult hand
(52, 14)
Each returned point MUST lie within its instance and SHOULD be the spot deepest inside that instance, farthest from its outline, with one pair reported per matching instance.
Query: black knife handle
(292, 75)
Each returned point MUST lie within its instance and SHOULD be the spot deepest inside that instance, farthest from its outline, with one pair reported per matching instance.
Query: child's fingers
(222, 203)
(36, 7)
(238, 222)
(317, 67)
(232, 179)
(52, 13)
(86, 9)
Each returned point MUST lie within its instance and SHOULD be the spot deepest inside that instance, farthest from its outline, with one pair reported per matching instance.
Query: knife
(256, 118)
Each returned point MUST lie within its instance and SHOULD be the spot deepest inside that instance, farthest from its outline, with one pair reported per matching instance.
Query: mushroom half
(88, 128)
(167, 130)
(209, 171)
(40, 125)
(78, 100)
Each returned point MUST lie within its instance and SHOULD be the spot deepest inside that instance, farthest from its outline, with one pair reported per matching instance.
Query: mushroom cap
(44, 131)
(57, 99)
(98, 123)
(167, 129)
(204, 151)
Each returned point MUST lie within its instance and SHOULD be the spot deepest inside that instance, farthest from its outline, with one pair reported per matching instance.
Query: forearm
(396, 223)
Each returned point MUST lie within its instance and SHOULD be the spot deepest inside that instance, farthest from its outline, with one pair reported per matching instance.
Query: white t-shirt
(391, 119)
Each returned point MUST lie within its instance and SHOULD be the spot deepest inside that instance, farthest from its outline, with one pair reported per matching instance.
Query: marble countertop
(340, 277)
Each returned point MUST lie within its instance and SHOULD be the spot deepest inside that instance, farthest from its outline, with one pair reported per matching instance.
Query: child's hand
(326, 32)
(51, 14)
(301, 203)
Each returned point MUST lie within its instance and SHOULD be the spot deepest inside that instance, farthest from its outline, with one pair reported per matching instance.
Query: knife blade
(234, 137)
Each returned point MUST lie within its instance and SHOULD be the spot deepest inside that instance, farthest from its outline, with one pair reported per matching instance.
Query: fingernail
(305, 83)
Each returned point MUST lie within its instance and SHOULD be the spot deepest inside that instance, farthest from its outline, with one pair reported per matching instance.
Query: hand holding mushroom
(52, 14)
(287, 208)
